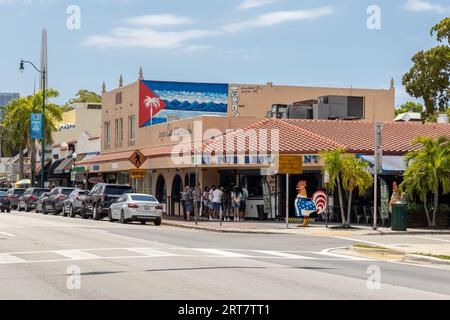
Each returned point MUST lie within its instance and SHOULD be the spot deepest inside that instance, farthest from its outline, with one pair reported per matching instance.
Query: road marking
(284, 255)
(435, 239)
(224, 253)
(7, 234)
(8, 259)
(327, 252)
(76, 254)
(151, 252)
(362, 241)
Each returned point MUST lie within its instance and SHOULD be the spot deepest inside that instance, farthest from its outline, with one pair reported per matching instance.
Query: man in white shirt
(217, 202)
(211, 207)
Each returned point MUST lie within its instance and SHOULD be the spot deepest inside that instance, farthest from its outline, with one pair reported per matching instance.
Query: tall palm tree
(333, 165)
(17, 124)
(354, 176)
(428, 171)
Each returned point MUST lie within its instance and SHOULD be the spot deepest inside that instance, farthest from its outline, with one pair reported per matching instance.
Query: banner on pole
(36, 124)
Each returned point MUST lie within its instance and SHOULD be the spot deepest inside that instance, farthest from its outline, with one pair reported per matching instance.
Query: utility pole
(378, 158)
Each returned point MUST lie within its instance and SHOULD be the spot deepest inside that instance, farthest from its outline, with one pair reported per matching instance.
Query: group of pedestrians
(214, 200)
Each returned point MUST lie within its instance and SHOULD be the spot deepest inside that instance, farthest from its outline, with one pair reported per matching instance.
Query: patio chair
(367, 214)
(359, 214)
(332, 217)
(385, 217)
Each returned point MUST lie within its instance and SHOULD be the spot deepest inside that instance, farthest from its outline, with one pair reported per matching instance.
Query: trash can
(399, 217)
(261, 214)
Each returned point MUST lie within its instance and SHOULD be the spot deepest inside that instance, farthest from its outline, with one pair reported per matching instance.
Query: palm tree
(428, 171)
(17, 124)
(333, 164)
(354, 176)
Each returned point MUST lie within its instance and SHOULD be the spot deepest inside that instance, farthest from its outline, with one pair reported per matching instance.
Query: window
(108, 133)
(142, 197)
(119, 132)
(132, 128)
(119, 98)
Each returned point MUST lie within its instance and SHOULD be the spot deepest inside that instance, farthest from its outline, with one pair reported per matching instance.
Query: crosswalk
(142, 252)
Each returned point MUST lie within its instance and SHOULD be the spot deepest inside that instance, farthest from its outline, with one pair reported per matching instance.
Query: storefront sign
(137, 173)
(79, 169)
(95, 180)
(36, 123)
(137, 159)
(290, 164)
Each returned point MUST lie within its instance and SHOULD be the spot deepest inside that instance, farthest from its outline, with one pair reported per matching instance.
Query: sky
(330, 43)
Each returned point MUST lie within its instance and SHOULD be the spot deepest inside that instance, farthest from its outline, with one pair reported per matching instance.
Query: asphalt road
(53, 257)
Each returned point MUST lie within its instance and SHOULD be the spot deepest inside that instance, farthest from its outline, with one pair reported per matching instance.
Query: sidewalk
(315, 229)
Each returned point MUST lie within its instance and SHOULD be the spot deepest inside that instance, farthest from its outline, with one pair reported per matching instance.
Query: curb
(381, 252)
(416, 258)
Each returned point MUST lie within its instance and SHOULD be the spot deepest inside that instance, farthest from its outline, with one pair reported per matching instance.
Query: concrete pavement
(40, 257)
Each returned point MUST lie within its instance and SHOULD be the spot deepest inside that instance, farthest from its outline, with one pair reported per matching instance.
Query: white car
(136, 207)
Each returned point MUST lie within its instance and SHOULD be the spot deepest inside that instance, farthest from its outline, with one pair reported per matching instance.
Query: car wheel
(9, 209)
(95, 213)
(44, 209)
(122, 217)
(55, 212)
(72, 212)
(158, 222)
(64, 213)
(110, 216)
(143, 222)
(27, 208)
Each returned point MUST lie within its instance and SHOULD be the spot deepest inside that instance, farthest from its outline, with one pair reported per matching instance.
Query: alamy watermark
(374, 19)
(374, 280)
(73, 277)
(73, 22)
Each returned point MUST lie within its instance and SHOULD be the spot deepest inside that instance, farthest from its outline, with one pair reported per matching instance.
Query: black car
(28, 200)
(4, 204)
(55, 201)
(12, 197)
(102, 196)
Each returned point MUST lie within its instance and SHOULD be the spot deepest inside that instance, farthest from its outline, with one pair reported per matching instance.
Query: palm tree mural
(154, 105)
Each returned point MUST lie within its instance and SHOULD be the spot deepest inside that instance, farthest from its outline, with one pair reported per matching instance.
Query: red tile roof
(304, 137)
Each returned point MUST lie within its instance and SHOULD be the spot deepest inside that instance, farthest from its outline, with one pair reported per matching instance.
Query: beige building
(194, 112)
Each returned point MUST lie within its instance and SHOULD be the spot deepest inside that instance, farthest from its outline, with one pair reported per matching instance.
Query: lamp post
(42, 72)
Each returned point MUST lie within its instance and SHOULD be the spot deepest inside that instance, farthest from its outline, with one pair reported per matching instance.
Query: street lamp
(42, 72)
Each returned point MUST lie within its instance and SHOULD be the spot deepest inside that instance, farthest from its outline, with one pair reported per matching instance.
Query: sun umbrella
(22, 182)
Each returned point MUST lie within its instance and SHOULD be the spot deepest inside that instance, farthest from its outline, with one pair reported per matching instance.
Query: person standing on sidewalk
(188, 202)
(225, 204)
(197, 199)
(236, 197)
(243, 204)
(217, 202)
(205, 209)
(211, 206)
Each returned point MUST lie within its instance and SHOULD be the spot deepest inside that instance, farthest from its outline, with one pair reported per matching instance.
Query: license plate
(49, 206)
(146, 208)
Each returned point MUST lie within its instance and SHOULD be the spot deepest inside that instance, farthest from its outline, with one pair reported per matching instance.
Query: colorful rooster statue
(304, 206)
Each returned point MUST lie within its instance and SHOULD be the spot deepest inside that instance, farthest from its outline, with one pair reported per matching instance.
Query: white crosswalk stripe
(207, 253)
(8, 259)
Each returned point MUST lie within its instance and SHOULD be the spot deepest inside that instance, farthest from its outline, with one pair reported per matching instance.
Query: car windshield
(83, 193)
(66, 192)
(118, 190)
(38, 192)
(2, 193)
(19, 191)
(143, 197)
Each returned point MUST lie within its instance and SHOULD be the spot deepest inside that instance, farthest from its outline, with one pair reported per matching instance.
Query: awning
(68, 167)
(62, 165)
(390, 165)
(53, 167)
(91, 155)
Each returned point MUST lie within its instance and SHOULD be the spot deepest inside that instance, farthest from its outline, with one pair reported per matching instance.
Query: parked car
(4, 204)
(54, 202)
(12, 197)
(136, 207)
(29, 198)
(75, 203)
(4, 189)
(101, 197)
(40, 200)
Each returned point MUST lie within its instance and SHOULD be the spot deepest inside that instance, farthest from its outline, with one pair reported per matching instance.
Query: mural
(161, 101)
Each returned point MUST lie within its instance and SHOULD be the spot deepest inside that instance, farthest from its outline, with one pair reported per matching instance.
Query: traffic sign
(290, 164)
(138, 173)
(137, 159)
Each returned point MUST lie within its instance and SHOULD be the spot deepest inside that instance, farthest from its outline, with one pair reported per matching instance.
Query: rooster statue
(304, 206)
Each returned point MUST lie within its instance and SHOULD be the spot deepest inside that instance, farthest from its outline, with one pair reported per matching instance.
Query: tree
(16, 124)
(429, 77)
(428, 172)
(354, 176)
(409, 106)
(333, 164)
(85, 96)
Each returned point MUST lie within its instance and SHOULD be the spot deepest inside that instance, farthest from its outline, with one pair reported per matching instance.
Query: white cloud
(274, 18)
(158, 20)
(250, 4)
(145, 38)
(424, 6)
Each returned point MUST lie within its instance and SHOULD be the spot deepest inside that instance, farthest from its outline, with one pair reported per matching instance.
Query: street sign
(137, 159)
(36, 124)
(79, 169)
(73, 176)
(138, 173)
(290, 164)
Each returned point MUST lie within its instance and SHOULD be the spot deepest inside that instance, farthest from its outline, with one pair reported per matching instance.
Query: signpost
(379, 126)
(289, 165)
(36, 124)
